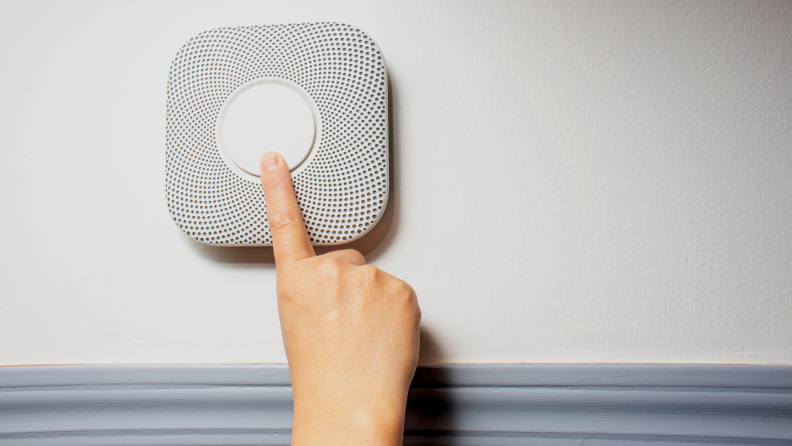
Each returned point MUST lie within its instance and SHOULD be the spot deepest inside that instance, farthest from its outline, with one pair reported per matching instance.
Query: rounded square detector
(316, 93)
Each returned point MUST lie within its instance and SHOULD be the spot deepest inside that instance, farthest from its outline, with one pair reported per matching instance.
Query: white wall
(574, 182)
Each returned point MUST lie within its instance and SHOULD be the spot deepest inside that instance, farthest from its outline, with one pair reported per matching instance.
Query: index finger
(289, 238)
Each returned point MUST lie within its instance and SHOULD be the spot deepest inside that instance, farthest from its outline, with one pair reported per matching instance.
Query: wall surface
(574, 182)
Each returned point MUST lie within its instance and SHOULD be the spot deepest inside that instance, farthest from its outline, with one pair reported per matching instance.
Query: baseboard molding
(449, 405)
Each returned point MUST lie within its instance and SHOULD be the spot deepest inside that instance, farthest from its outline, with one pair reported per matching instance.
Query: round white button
(267, 117)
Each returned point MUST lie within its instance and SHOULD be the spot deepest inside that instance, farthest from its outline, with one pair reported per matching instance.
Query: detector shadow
(233, 254)
(374, 242)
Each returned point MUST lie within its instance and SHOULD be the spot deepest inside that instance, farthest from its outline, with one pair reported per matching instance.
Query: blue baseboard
(449, 405)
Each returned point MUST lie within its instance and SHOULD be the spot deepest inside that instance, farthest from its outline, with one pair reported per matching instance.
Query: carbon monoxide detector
(317, 93)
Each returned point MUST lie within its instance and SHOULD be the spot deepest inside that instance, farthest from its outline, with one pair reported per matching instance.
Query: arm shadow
(430, 410)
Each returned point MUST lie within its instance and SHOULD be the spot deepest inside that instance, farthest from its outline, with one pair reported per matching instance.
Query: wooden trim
(449, 404)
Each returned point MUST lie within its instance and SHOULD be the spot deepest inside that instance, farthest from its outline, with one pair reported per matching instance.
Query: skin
(351, 331)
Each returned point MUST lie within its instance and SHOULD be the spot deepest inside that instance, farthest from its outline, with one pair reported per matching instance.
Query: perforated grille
(342, 189)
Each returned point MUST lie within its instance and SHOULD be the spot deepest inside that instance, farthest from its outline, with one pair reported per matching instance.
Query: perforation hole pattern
(344, 188)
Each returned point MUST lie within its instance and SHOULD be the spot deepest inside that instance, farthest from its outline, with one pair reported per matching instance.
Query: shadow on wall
(430, 410)
(365, 245)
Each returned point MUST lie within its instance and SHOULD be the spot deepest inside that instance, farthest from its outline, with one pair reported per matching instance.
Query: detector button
(267, 117)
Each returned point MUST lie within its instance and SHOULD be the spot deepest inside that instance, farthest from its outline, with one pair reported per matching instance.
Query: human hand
(351, 331)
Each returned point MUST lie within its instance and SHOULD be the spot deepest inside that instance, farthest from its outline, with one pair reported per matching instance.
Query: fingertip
(269, 161)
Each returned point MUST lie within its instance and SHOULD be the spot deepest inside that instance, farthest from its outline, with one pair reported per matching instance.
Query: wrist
(368, 421)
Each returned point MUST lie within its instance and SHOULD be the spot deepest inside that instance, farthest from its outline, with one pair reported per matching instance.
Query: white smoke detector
(315, 93)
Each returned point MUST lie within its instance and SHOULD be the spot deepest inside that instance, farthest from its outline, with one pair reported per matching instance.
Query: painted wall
(574, 182)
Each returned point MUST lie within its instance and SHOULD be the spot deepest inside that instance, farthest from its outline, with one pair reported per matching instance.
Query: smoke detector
(315, 93)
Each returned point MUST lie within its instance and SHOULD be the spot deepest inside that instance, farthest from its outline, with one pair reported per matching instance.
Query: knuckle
(404, 294)
(280, 220)
(353, 252)
(370, 273)
(275, 182)
(332, 269)
(401, 287)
